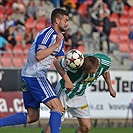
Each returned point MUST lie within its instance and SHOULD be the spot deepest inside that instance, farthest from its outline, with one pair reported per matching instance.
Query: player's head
(59, 17)
(90, 65)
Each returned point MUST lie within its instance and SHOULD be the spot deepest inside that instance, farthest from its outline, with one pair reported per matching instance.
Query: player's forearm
(58, 67)
(43, 53)
(60, 70)
(107, 79)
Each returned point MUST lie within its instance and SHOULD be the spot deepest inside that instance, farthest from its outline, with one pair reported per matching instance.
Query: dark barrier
(10, 80)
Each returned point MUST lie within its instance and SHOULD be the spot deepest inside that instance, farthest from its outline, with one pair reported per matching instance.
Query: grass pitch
(65, 130)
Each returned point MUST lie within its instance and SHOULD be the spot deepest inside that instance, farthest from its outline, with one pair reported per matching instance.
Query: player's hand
(59, 39)
(112, 92)
(69, 85)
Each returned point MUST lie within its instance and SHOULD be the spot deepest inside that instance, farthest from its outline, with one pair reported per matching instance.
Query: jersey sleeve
(107, 63)
(44, 38)
(42, 42)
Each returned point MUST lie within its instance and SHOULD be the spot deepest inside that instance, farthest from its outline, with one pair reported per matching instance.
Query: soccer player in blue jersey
(94, 66)
(36, 88)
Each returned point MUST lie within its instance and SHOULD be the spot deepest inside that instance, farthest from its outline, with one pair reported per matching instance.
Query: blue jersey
(35, 85)
(44, 39)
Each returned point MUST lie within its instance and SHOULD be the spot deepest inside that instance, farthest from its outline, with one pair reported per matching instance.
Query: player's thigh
(55, 104)
(40, 89)
(28, 96)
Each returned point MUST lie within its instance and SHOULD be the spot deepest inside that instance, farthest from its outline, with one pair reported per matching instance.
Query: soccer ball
(74, 59)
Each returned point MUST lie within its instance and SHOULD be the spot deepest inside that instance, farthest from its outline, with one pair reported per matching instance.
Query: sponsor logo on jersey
(88, 80)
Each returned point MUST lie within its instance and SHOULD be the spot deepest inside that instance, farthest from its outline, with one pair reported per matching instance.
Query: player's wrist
(57, 45)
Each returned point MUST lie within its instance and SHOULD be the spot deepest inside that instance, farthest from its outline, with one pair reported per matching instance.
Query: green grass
(65, 130)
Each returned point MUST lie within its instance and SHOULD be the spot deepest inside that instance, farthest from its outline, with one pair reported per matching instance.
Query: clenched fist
(59, 39)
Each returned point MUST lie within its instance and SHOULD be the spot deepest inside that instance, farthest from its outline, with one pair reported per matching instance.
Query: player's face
(63, 23)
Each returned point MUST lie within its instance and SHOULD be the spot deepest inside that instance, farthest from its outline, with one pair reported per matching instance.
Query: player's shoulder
(49, 30)
(101, 56)
(96, 55)
(46, 33)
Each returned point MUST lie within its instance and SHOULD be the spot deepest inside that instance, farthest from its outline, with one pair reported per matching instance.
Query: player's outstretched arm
(107, 78)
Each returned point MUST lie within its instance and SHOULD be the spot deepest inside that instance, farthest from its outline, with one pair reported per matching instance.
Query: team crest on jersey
(24, 85)
(88, 80)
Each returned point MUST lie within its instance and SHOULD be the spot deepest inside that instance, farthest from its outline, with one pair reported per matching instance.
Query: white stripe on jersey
(39, 34)
(69, 92)
(46, 37)
(40, 83)
(46, 88)
(80, 88)
(105, 62)
(100, 72)
(49, 88)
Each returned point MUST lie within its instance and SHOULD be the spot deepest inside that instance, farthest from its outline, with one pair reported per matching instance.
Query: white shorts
(75, 107)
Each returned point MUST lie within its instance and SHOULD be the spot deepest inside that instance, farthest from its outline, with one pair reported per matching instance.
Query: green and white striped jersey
(82, 81)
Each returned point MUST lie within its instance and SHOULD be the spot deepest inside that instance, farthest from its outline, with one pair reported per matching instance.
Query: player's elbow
(55, 61)
(38, 58)
(39, 55)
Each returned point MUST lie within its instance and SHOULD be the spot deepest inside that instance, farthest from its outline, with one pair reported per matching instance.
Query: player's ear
(98, 62)
(57, 20)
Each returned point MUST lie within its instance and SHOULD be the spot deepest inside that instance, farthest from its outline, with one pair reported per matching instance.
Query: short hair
(57, 13)
(90, 63)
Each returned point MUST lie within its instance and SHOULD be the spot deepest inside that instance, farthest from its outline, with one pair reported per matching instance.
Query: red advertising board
(10, 103)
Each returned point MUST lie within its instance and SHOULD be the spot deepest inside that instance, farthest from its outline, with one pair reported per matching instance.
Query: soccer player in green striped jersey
(71, 88)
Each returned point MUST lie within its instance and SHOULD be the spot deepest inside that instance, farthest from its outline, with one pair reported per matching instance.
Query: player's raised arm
(43, 53)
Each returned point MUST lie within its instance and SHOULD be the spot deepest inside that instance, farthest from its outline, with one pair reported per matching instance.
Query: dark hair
(57, 13)
(90, 64)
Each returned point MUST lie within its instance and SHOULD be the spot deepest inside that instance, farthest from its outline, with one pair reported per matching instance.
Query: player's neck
(56, 29)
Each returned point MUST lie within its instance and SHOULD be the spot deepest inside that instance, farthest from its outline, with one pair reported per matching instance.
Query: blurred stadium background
(20, 20)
